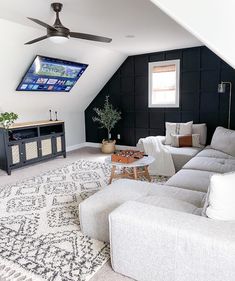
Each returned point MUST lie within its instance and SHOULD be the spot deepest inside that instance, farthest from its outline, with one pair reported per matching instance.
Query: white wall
(212, 22)
(15, 58)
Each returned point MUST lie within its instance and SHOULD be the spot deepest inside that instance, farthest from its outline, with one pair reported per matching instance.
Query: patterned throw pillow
(185, 140)
(177, 129)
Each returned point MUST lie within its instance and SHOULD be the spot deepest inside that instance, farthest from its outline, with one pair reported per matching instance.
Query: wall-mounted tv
(51, 75)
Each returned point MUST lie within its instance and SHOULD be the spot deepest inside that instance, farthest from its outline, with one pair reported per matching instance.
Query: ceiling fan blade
(90, 37)
(43, 24)
(36, 40)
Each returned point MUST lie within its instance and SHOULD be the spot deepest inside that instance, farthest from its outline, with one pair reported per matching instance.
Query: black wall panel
(201, 71)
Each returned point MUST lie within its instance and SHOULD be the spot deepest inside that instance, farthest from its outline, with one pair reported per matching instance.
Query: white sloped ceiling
(212, 22)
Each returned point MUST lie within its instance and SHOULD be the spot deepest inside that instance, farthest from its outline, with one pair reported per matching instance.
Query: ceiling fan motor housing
(61, 31)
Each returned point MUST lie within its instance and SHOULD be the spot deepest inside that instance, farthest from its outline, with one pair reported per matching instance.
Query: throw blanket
(163, 164)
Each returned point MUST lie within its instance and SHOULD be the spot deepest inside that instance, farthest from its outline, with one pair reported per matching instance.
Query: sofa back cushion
(200, 129)
(177, 129)
(220, 198)
(224, 140)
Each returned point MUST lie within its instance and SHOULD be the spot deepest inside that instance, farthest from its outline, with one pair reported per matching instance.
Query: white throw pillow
(177, 129)
(224, 140)
(220, 199)
(200, 129)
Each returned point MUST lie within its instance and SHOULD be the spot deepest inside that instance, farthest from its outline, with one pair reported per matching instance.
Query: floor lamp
(222, 90)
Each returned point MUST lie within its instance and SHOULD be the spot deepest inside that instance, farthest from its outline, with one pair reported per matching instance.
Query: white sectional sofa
(157, 232)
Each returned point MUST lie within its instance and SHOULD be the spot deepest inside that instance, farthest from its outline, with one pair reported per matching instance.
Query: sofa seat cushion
(171, 203)
(213, 153)
(216, 165)
(95, 210)
(181, 155)
(193, 197)
(191, 179)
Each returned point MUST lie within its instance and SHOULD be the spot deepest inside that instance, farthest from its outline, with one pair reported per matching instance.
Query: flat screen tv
(51, 75)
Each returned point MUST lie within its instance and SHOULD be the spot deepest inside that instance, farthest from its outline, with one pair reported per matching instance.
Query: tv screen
(51, 75)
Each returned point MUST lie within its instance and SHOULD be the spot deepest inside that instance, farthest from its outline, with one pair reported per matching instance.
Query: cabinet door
(46, 147)
(15, 154)
(31, 150)
(58, 144)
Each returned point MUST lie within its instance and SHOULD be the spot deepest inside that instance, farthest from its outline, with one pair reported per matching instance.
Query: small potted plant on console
(107, 117)
(7, 119)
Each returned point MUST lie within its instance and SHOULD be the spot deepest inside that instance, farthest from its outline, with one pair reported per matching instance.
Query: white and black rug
(39, 225)
(40, 237)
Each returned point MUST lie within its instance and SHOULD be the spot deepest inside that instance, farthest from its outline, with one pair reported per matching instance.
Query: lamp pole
(222, 89)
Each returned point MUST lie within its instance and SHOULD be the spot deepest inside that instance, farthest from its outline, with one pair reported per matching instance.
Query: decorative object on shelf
(222, 90)
(56, 115)
(50, 115)
(108, 118)
(7, 119)
(127, 156)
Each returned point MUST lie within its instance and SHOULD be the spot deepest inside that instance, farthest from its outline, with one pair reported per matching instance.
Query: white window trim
(160, 63)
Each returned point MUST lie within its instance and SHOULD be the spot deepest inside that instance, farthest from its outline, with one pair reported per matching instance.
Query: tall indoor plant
(108, 118)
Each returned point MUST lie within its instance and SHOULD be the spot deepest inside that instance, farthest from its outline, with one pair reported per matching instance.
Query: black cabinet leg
(9, 172)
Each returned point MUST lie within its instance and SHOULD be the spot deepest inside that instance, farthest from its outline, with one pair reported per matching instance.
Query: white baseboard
(74, 147)
(97, 145)
(92, 144)
(119, 147)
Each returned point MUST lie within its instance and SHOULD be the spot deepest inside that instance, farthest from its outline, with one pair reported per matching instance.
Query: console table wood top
(34, 123)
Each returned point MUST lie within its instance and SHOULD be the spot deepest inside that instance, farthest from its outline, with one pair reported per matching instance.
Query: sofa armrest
(162, 138)
(152, 243)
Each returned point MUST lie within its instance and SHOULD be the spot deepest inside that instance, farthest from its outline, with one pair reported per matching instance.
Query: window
(164, 83)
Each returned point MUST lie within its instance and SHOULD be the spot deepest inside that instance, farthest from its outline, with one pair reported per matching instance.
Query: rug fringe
(10, 271)
(7, 273)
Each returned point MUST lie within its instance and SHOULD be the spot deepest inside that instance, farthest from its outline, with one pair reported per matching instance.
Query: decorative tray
(127, 156)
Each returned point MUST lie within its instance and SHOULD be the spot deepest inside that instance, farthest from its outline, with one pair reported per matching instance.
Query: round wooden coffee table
(133, 170)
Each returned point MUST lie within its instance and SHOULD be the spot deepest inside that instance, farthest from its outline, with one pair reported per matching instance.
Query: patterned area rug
(40, 237)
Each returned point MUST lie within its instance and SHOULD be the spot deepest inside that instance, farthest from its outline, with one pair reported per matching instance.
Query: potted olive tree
(107, 117)
(7, 119)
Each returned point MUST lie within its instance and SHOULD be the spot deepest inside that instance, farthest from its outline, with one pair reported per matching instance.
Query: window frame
(151, 65)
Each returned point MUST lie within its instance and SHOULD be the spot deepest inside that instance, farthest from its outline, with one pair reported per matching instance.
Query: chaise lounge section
(151, 243)
(94, 211)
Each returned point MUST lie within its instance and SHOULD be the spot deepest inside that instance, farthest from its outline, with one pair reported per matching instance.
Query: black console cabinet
(28, 143)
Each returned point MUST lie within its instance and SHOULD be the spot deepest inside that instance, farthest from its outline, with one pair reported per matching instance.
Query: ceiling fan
(59, 33)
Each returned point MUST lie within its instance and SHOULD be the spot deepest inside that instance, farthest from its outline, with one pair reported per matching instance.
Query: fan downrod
(57, 7)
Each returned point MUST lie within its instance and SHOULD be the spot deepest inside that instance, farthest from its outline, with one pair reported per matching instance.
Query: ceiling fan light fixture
(58, 39)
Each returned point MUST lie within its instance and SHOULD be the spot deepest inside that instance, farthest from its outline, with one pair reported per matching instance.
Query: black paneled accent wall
(201, 71)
